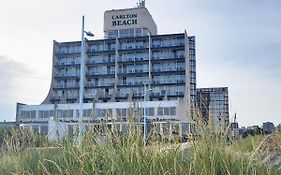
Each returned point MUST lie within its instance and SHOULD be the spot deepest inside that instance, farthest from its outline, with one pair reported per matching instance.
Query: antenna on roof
(141, 4)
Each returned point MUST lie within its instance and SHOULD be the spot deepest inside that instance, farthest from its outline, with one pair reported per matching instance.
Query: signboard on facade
(128, 19)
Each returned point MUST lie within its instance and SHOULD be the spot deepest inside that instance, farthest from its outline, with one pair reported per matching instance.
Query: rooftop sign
(129, 19)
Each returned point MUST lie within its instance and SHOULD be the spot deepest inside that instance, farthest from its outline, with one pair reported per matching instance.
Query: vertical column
(116, 65)
(187, 117)
(149, 61)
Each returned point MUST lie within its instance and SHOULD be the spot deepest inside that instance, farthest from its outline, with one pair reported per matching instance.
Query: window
(160, 111)
(59, 113)
(150, 111)
(98, 112)
(121, 112)
(35, 129)
(166, 111)
(44, 129)
(33, 114)
(173, 111)
(137, 32)
(103, 112)
(70, 114)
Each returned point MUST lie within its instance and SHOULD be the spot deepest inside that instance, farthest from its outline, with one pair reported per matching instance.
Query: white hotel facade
(118, 68)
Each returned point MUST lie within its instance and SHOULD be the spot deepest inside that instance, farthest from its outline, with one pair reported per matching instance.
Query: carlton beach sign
(124, 20)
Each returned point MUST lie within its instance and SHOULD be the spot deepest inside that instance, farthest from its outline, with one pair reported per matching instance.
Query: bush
(115, 153)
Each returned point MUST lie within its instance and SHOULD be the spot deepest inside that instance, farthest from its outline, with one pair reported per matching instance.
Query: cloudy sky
(238, 45)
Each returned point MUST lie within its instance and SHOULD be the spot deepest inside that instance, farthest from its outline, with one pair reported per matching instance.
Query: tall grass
(114, 153)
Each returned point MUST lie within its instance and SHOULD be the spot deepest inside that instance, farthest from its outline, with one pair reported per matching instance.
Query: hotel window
(139, 44)
(180, 54)
(166, 111)
(112, 33)
(111, 58)
(45, 114)
(44, 129)
(160, 111)
(68, 114)
(87, 112)
(59, 113)
(33, 114)
(180, 41)
(150, 111)
(103, 112)
(137, 32)
(93, 48)
(145, 32)
(156, 43)
(173, 111)
(141, 56)
(180, 66)
(121, 112)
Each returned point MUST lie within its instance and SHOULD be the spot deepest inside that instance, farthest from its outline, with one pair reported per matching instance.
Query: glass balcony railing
(67, 74)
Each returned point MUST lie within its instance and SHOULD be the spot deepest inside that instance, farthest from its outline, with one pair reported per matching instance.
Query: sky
(238, 45)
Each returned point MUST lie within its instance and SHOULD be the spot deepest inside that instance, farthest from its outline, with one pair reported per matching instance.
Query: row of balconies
(120, 82)
(135, 46)
(122, 60)
(109, 95)
(105, 61)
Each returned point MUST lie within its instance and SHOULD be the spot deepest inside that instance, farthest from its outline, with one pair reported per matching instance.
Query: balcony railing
(55, 97)
(67, 63)
(65, 75)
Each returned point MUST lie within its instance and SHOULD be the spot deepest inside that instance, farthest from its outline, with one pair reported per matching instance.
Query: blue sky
(238, 45)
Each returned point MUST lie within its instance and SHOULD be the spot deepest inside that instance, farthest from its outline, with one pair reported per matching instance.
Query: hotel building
(213, 106)
(131, 59)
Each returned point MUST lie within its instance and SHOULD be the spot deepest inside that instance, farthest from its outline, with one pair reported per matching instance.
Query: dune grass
(113, 153)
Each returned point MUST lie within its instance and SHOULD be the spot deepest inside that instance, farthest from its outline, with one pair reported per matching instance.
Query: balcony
(131, 73)
(131, 84)
(60, 64)
(174, 46)
(92, 63)
(166, 83)
(100, 85)
(71, 96)
(166, 59)
(133, 61)
(67, 53)
(55, 97)
(66, 86)
(65, 75)
(72, 86)
(122, 95)
(95, 74)
(168, 72)
(94, 51)
(133, 47)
